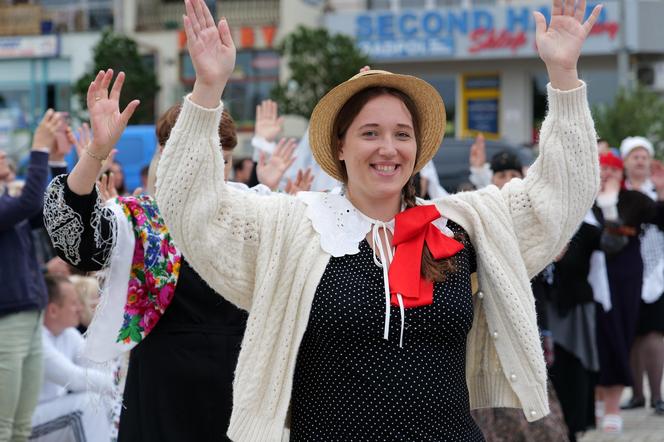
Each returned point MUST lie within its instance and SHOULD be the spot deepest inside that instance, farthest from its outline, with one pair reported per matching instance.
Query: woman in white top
(302, 266)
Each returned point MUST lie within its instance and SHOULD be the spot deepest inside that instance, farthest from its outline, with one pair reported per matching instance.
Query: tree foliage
(120, 53)
(633, 112)
(317, 61)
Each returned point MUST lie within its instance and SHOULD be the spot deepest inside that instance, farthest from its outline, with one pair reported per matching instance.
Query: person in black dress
(620, 212)
(179, 380)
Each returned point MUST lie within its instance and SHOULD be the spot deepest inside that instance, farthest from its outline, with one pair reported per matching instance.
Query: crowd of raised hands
(57, 135)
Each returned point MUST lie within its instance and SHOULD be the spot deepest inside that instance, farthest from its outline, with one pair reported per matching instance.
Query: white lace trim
(340, 225)
(63, 224)
(341, 228)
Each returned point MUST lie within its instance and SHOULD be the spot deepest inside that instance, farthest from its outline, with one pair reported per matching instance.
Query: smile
(386, 169)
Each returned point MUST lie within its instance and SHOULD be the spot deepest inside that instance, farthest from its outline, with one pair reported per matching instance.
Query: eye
(403, 135)
(370, 133)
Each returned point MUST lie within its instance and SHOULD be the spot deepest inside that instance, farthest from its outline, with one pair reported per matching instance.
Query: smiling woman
(321, 273)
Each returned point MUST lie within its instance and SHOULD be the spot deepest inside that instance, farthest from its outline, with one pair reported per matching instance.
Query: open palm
(107, 121)
(560, 43)
(210, 46)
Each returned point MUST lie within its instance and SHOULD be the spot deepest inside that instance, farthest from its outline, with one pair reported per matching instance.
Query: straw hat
(429, 104)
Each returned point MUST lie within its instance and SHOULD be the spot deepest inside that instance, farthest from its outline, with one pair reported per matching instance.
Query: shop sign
(464, 33)
(40, 46)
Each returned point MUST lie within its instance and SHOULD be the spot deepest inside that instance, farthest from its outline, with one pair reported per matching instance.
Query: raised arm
(81, 229)
(29, 203)
(217, 229)
(548, 205)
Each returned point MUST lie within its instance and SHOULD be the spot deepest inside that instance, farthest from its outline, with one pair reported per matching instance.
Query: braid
(432, 269)
(408, 194)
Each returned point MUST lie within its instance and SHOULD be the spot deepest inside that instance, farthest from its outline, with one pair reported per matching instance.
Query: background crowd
(600, 309)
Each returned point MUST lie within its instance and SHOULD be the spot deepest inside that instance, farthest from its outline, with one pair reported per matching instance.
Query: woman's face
(379, 148)
(609, 173)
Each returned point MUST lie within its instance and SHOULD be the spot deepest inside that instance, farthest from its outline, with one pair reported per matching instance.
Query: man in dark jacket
(22, 290)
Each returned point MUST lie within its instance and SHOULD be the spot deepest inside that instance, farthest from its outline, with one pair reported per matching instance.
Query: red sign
(490, 39)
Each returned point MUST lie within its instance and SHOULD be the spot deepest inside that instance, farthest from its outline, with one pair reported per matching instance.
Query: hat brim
(428, 102)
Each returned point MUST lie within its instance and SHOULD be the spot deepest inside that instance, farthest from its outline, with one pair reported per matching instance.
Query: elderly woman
(323, 356)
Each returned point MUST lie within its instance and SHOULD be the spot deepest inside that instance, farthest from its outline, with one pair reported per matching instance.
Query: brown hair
(432, 269)
(227, 133)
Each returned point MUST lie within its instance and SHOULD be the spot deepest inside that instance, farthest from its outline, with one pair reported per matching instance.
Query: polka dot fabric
(351, 384)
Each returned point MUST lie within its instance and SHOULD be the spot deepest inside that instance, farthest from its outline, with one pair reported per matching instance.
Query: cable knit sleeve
(548, 205)
(217, 228)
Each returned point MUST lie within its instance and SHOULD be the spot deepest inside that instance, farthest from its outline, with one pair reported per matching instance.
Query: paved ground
(640, 425)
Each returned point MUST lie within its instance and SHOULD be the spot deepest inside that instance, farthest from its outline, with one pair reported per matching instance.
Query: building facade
(482, 57)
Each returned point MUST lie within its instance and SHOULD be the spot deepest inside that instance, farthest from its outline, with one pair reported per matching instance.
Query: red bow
(412, 228)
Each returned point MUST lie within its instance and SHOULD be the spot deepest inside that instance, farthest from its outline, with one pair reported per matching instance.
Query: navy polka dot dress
(351, 384)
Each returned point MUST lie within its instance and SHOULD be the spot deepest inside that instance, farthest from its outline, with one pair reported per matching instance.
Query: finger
(191, 15)
(273, 110)
(259, 111)
(92, 90)
(129, 111)
(47, 116)
(105, 83)
(209, 20)
(103, 181)
(291, 146)
(117, 87)
(54, 122)
(280, 121)
(189, 30)
(225, 33)
(200, 15)
(137, 191)
(98, 78)
(279, 149)
(540, 23)
(580, 13)
(557, 8)
(71, 138)
(588, 25)
(569, 7)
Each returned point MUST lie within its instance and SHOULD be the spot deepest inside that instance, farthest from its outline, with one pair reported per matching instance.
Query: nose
(388, 147)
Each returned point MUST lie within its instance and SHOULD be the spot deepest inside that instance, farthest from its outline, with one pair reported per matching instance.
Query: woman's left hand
(559, 45)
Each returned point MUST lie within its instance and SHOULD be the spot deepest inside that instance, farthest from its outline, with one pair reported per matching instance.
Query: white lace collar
(340, 225)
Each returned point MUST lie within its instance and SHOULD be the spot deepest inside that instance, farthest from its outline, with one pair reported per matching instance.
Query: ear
(51, 309)
(341, 150)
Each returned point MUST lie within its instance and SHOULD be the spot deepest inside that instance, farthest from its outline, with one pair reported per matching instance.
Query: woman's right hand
(212, 53)
(47, 130)
(107, 121)
(478, 152)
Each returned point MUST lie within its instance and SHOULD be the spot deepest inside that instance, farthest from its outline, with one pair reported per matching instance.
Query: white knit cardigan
(262, 253)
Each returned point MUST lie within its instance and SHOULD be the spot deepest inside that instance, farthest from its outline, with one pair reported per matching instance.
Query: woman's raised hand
(559, 45)
(212, 52)
(107, 121)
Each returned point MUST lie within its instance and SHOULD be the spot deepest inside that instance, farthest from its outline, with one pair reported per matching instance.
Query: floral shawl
(139, 281)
